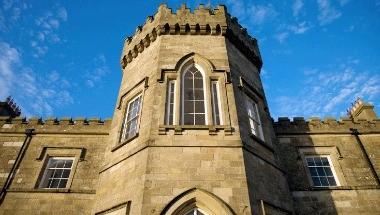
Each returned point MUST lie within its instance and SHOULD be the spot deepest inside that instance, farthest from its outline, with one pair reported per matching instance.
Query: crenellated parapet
(55, 125)
(299, 125)
(202, 21)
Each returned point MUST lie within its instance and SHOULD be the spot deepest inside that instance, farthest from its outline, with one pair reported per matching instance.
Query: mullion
(193, 97)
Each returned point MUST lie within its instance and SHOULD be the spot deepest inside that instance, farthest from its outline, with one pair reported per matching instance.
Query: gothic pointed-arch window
(194, 111)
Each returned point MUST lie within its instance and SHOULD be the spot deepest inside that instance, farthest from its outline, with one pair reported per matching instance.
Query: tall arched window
(193, 96)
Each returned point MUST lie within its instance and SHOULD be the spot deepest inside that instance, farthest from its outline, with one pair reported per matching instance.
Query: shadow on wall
(330, 163)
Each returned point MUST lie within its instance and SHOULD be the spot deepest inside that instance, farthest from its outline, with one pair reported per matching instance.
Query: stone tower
(191, 131)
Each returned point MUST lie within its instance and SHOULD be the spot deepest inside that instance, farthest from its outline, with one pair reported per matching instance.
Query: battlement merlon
(53, 125)
(203, 21)
(299, 125)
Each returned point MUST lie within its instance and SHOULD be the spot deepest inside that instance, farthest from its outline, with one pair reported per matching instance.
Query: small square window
(57, 172)
(321, 171)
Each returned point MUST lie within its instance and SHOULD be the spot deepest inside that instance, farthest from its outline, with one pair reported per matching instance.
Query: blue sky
(61, 58)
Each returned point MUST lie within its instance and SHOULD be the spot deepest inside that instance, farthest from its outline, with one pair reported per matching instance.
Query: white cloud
(299, 28)
(281, 37)
(47, 28)
(32, 92)
(343, 2)
(9, 57)
(101, 69)
(329, 92)
(10, 13)
(262, 13)
(297, 6)
(62, 13)
(238, 8)
(327, 13)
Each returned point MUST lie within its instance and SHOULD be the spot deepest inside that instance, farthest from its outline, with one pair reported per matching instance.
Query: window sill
(366, 187)
(124, 142)
(213, 129)
(49, 190)
(262, 142)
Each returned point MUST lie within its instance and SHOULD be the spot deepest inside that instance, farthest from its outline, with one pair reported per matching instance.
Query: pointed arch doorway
(197, 202)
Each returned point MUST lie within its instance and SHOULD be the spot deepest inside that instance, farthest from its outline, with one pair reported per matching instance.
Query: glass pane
(199, 106)
(188, 94)
(188, 107)
(249, 108)
(254, 113)
(60, 163)
(188, 75)
(198, 83)
(316, 181)
(62, 183)
(310, 161)
(331, 181)
(215, 104)
(171, 100)
(49, 173)
(66, 173)
(47, 184)
(68, 163)
(325, 162)
(197, 74)
(324, 181)
(318, 161)
(198, 94)
(252, 125)
(200, 119)
(328, 171)
(54, 183)
(320, 171)
(188, 119)
(57, 173)
(52, 163)
(313, 171)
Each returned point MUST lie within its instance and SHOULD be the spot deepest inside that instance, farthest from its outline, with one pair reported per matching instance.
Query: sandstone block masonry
(230, 158)
(352, 145)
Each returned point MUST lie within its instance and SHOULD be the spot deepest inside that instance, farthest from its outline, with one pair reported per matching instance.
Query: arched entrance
(197, 202)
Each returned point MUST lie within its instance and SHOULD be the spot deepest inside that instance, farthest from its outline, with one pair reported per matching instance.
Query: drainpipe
(356, 133)
(28, 137)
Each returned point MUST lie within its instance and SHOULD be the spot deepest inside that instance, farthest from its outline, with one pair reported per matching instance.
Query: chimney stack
(361, 110)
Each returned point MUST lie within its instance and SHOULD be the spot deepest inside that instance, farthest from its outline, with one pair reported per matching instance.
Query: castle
(191, 134)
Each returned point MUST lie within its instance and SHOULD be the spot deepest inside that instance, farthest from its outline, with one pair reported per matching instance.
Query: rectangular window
(216, 103)
(321, 171)
(130, 126)
(57, 172)
(170, 103)
(254, 119)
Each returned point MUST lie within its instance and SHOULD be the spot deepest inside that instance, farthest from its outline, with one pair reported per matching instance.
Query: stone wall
(358, 191)
(82, 139)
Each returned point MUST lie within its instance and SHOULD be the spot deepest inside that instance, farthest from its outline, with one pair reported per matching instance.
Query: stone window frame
(45, 179)
(211, 74)
(250, 98)
(48, 152)
(217, 106)
(138, 89)
(125, 118)
(184, 70)
(168, 109)
(326, 151)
